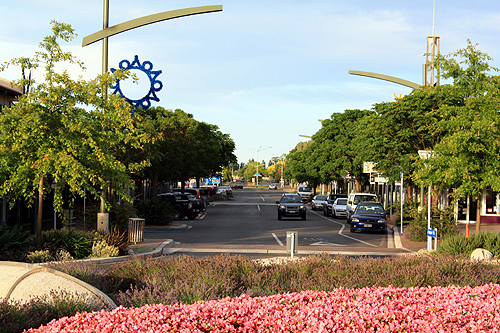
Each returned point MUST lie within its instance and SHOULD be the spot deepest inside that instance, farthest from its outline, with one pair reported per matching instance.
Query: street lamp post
(257, 174)
(107, 31)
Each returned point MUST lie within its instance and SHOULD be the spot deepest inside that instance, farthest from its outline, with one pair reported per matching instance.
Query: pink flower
(388, 309)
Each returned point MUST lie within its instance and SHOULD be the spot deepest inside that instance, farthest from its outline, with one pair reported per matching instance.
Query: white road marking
(262, 198)
(342, 228)
(277, 239)
(258, 207)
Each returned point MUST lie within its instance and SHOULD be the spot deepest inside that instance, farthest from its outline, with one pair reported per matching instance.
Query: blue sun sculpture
(154, 84)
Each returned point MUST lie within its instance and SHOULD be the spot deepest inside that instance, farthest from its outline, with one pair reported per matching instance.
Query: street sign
(257, 175)
(431, 233)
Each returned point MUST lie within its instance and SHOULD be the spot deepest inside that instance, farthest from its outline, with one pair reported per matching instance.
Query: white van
(305, 191)
(356, 198)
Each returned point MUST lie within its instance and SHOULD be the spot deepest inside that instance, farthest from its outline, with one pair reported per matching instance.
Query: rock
(481, 255)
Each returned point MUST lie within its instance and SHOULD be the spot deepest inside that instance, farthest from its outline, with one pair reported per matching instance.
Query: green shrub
(77, 242)
(16, 317)
(459, 244)
(101, 249)
(40, 256)
(117, 239)
(155, 212)
(118, 215)
(442, 219)
(13, 242)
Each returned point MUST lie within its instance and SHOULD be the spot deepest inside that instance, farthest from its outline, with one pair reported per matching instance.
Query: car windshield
(364, 198)
(320, 197)
(305, 189)
(293, 199)
(362, 210)
(342, 202)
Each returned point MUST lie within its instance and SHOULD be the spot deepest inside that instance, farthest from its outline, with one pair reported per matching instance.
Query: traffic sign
(431, 233)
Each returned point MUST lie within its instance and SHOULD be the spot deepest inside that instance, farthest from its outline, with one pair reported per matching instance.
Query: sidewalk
(461, 227)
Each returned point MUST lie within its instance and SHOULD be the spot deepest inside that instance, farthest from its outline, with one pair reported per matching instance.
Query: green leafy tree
(64, 131)
(467, 157)
(297, 166)
(335, 150)
(180, 147)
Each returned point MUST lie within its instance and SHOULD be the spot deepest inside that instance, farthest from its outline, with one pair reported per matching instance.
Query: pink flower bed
(432, 309)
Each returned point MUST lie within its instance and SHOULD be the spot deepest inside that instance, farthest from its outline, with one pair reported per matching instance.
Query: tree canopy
(458, 122)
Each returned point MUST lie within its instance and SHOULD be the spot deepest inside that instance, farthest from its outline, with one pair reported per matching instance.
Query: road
(248, 224)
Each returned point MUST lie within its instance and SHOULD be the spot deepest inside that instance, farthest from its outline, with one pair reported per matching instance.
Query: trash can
(135, 230)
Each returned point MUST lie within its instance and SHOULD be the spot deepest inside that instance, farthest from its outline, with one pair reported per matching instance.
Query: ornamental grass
(318, 293)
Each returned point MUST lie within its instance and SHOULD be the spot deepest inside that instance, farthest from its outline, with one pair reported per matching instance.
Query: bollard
(292, 242)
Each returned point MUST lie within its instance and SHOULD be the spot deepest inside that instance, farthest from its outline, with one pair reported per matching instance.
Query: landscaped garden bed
(376, 309)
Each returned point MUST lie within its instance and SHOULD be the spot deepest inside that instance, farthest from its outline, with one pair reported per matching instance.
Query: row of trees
(458, 122)
(70, 133)
(248, 170)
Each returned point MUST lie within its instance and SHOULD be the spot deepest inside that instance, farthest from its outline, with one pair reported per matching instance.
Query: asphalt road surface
(250, 222)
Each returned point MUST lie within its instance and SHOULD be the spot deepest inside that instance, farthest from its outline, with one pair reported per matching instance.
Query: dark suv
(181, 204)
(291, 205)
(200, 193)
(330, 200)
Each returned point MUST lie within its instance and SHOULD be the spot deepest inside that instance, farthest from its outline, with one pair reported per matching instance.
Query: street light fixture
(257, 174)
(257, 150)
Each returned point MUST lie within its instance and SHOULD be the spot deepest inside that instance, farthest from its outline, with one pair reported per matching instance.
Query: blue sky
(263, 71)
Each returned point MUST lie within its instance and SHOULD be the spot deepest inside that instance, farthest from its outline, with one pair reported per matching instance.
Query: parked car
(368, 216)
(200, 193)
(355, 198)
(318, 201)
(339, 208)
(291, 205)
(181, 204)
(273, 186)
(330, 200)
(225, 190)
(198, 205)
(304, 191)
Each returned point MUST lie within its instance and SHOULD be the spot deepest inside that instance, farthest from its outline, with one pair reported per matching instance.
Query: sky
(265, 72)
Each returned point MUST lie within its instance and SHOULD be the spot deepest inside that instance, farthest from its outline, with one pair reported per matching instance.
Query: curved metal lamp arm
(145, 20)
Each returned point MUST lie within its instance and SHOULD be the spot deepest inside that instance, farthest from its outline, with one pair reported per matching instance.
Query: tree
(335, 150)
(64, 131)
(181, 147)
(467, 157)
(297, 166)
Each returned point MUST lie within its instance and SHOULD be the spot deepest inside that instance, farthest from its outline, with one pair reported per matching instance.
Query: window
(492, 202)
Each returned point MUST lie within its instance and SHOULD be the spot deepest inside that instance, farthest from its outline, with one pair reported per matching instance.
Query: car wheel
(279, 216)
(177, 215)
(304, 217)
(324, 212)
(352, 231)
(334, 213)
(192, 216)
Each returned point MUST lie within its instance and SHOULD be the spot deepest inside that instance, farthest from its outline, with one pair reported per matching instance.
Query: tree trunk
(154, 185)
(40, 213)
(357, 184)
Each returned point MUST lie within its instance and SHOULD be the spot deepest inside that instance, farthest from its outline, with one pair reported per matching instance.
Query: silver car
(318, 201)
(339, 208)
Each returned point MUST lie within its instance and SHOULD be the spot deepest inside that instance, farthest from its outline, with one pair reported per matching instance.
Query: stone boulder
(481, 255)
